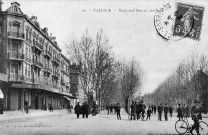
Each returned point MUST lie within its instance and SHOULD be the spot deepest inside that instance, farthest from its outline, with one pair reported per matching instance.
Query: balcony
(16, 35)
(28, 60)
(56, 59)
(37, 63)
(38, 46)
(15, 56)
(56, 73)
(19, 78)
(48, 69)
(36, 81)
(48, 53)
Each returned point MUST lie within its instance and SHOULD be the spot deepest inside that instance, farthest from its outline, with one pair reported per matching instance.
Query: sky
(132, 34)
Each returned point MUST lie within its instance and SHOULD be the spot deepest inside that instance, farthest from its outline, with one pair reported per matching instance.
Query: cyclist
(196, 110)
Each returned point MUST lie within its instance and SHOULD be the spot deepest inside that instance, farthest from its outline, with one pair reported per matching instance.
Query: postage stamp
(177, 21)
(188, 21)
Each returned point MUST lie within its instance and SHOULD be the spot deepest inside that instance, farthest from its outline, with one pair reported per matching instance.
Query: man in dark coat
(138, 110)
(118, 110)
(77, 109)
(171, 111)
(180, 112)
(133, 110)
(143, 109)
(166, 112)
(196, 110)
(1, 106)
(85, 109)
(160, 110)
(155, 109)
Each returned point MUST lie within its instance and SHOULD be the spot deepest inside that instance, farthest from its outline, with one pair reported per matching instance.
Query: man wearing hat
(196, 110)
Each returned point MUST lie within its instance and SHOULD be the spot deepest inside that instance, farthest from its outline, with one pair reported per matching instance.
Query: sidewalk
(10, 115)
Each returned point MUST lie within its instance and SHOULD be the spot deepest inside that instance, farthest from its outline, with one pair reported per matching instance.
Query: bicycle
(183, 126)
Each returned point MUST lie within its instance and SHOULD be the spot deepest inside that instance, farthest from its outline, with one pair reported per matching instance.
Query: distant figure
(155, 109)
(77, 109)
(26, 105)
(149, 111)
(50, 107)
(133, 110)
(107, 108)
(118, 110)
(143, 109)
(85, 110)
(171, 111)
(69, 108)
(160, 110)
(166, 112)
(180, 113)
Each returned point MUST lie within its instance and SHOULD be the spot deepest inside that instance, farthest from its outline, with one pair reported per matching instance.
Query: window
(15, 9)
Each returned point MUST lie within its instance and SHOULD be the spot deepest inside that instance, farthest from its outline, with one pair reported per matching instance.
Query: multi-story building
(32, 61)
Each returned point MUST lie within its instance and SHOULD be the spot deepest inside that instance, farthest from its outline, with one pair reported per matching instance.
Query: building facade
(32, 63)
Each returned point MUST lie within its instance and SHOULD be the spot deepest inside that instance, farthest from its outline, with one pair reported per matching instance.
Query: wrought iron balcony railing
(19, 78)
(15, 35)
(48, 53)
(38, 63)
(16, 56)
(48, 69)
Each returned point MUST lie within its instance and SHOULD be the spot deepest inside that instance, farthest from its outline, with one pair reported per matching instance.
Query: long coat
(77, 109)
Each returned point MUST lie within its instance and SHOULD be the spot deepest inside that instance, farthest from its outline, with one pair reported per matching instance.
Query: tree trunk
(126, 105)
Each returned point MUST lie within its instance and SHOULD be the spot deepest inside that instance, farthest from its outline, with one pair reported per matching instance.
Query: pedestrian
(107, 108)
(85, 109)
(149, 111)
(111, 108)
(166, 112)
(50, 107)
(160, 110)
(143, 109)
(185, 111)
(180, 113)
(155, 109)
(77, 109)
(196, 110)
(152, 107)
(171, 111)
(69, 108)
(138, 109)
(133, 110)
(118, 110)
(94, 110)
(26, 105)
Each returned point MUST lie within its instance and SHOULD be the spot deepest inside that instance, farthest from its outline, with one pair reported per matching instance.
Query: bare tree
(130, 79)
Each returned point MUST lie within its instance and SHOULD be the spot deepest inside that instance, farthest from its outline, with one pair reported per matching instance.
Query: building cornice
(28, 20)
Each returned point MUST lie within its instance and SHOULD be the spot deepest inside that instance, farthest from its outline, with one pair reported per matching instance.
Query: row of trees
(187, 83)
(110, 79)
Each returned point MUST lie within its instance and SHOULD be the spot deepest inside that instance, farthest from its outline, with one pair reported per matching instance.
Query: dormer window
(15, 9)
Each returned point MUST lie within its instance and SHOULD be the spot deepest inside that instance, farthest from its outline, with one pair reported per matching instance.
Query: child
(149, 113)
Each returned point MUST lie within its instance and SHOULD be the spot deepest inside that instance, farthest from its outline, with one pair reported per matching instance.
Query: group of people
(166, 109)
(84, 109)
(138, 108)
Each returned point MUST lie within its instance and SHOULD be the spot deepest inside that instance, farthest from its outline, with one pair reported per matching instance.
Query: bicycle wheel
(181, 127)
(203, 128)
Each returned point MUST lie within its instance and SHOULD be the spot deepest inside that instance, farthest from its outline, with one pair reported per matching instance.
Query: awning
(67, 98)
